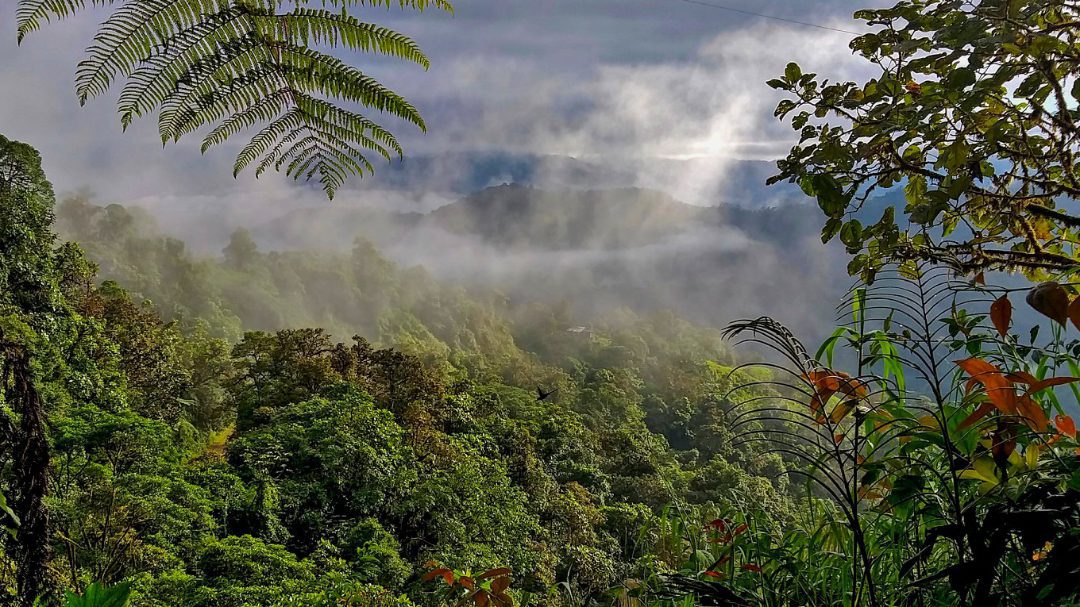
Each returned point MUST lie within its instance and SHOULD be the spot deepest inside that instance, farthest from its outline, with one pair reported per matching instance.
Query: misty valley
(629, 303)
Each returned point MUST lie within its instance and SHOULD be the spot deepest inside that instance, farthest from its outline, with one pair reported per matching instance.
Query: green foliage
(236, 65)
(97, 595)
(958, 493)
(208, 465)
(971, 112)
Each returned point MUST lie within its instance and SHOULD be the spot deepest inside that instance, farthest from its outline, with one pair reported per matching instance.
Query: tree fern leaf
(31, 14)
(232, 65)
(156, 77)
(319, 27)
(131, 33)
(264, 110)
(419, 5)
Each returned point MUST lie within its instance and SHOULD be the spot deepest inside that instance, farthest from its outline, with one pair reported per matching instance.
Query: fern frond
(156, 77)
(308, 27)
(232, 65)
(418, 5)
(32, 14)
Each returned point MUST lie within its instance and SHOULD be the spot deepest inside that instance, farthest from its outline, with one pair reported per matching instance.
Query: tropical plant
(97, 595)
(464, 588)
(972, 112)
(947, 479)
(235, 64)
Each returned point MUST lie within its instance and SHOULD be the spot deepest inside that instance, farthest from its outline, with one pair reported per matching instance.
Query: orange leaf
(980, 278)
(1033, 414)
(1050, 300)
(500, 584)
(841, 410)
(999, 389)
(467, 582)
(1074, 312)
(1042, 553)
(1001, 314)
(838, 438)
(740, 529)
(1065, 425)
(1041, 385)
(715, 574)
(751, 567)
(1022, 377)
(494, 573)
(983, 410)
(441, 571)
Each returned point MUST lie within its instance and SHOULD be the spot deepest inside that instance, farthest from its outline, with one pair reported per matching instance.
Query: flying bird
(542, 396)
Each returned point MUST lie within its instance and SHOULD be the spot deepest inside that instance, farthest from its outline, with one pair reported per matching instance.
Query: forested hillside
(574, 389)
(212, 465)
(598, 251)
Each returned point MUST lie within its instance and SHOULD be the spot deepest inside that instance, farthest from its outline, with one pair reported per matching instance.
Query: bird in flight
(542, 396)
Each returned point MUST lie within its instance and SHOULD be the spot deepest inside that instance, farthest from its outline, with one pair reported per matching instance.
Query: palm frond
(232, 65)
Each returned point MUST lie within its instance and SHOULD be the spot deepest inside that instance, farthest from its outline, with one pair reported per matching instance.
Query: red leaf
(1033, 414)
(1050, 300)
(1065, 425)
(751, 567)
(499, 585)
(999, 389)
(481, 598)
(441, 571)
(1001, 315)
(467, 582)
(980, 279)
(1041, 385)
(715, 574)
(719, 524)
(983, 410)
(494, 573)
(1022, 377)
(740, 529)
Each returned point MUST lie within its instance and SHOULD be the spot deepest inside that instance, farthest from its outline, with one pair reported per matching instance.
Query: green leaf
(832, 227)
(851, 234)
(830, 195)
(97, 595)
(793, 72)
(961, 78)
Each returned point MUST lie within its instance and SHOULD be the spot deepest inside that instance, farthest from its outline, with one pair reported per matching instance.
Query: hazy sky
(624, 81)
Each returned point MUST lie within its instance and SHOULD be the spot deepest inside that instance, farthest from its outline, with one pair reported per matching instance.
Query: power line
(764, 16)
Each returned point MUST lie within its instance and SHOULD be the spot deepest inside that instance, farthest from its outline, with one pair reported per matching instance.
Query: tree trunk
(31, 454)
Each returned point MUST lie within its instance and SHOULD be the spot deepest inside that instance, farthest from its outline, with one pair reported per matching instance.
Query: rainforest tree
(972, 111)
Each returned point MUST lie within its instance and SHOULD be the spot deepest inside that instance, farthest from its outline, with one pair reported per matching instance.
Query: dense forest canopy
(322, 425)
(214, 466)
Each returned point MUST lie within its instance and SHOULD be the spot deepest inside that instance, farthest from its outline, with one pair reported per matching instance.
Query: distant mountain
(526, 217)
(730, 181)
(519, 217)
(601, 249)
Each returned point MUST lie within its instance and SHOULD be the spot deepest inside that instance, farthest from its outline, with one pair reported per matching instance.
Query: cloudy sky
(618, 81)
